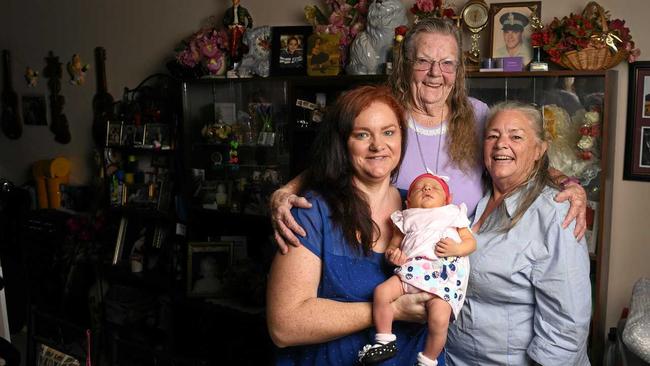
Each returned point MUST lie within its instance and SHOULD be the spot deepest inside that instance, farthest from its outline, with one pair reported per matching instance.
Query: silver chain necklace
(417, 139)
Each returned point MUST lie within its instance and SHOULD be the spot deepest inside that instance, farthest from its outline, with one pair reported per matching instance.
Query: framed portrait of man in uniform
(510, 29)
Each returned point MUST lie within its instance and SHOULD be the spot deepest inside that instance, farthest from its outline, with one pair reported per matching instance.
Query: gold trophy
(536, 25)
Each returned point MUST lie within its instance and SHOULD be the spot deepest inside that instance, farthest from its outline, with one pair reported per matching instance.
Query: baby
(435, 239)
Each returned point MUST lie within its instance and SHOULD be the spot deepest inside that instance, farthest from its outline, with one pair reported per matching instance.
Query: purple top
(465, 187)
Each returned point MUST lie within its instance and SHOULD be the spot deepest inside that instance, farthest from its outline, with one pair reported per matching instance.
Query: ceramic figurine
(31, 77)
(256, 61)
(369, 50)
(77, 70)
(236, 20)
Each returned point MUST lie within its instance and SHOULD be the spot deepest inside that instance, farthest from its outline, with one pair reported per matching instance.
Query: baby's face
(427, 193)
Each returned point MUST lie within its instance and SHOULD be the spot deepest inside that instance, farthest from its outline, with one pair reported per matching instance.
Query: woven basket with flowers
(587, 41)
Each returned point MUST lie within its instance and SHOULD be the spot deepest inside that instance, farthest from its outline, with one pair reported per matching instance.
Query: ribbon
(608, 39)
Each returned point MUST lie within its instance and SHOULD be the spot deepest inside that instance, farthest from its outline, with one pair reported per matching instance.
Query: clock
(475, 15)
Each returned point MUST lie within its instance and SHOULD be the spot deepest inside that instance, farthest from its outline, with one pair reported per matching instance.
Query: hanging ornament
(31, 77)
(77, 70)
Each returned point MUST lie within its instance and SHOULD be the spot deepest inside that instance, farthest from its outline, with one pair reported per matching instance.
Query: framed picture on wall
(637, 137)
(510, 29)
(288, 48)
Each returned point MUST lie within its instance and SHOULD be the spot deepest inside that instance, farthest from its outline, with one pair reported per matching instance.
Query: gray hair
(538, 178)
(463, 143)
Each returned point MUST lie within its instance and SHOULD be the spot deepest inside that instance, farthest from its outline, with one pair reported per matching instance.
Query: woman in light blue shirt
(529, 294)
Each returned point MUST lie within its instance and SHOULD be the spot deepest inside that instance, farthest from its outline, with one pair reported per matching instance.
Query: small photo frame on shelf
(140, 194)
(216, 194)
(207, 263)
(157, 136)
(113, 133)
(323, 54)
(288, 46)
(225, 112)
(510, 29)
(128, 134)
(138, 136)
(637, 137)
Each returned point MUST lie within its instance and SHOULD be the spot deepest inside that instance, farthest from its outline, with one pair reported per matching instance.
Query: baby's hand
(447, 247)
(395, 256)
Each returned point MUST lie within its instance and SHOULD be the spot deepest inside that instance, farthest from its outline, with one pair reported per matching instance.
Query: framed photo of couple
(510, 29)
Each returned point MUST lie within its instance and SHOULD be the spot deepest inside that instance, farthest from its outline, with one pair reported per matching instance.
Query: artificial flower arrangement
(346, 17)
(590, 40)
(205, 51)
(432, 8)
(575, 141)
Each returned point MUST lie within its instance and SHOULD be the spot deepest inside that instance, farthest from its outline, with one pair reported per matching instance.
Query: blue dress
(347, 276)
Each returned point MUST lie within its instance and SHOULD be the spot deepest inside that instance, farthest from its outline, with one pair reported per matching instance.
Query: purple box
(515, 63)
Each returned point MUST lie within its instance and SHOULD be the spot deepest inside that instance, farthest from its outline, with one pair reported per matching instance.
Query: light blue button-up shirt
(529, 293)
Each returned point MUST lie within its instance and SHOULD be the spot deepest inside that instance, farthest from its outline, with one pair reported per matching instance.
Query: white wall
(139, 35)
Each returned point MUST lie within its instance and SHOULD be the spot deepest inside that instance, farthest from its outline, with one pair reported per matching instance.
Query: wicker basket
(592, 58)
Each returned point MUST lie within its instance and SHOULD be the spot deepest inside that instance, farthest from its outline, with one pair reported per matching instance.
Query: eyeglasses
(446, 66)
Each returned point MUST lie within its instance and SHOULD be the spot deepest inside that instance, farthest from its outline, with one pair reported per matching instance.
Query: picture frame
(228, 112)
(207, 263)
(513, 16)
(113, 133)
(157, 136)
(129, 131)
(323, 54)
(216, 194)
(287, 59)
(34, 110)
(637, 136)
(140, 195)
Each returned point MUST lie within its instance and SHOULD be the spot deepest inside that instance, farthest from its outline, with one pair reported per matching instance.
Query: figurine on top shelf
(236, 20)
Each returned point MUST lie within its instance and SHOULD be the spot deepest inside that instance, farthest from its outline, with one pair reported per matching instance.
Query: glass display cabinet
(244, 137)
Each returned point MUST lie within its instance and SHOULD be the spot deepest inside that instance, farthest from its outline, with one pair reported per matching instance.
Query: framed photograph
(128, 135)
(288, 46)
(207, 263)
(637, 137)
(113, 133)
(510, 29)
(323, 54)
(141, 194)
(216, 194)
(138, 136)
(157, 136)
(34, 110)
(225, 112)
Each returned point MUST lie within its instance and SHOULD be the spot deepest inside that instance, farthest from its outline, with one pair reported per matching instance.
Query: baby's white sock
(384, 338)
(426, 361)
